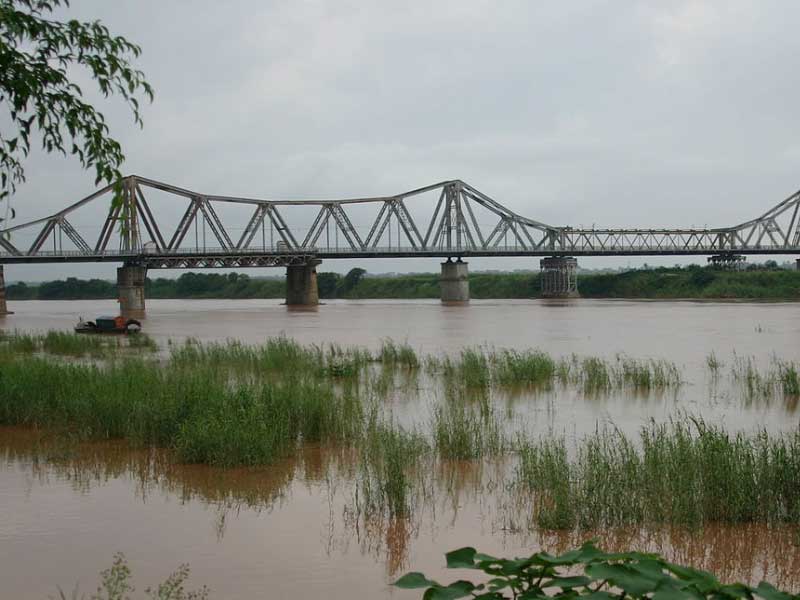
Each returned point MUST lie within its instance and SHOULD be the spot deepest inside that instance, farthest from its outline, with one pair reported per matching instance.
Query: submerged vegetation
(229, 404)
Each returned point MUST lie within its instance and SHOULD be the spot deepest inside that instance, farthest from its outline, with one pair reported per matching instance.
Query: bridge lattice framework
(464, 222)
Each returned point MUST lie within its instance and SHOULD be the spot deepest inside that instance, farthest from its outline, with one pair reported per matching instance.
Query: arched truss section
(450, 218)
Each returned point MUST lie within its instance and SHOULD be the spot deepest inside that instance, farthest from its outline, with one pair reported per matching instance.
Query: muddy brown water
(287, 531)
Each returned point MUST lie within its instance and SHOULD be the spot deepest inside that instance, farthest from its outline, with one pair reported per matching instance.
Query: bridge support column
(130, 286)
(301, 284)
(454, 281)
(559, 276)
(3, 307)
(797, 264)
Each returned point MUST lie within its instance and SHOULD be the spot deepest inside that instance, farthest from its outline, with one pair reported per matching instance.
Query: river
(284, 531)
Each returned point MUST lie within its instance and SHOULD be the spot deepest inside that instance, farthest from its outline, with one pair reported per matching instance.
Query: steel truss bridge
(447, 219)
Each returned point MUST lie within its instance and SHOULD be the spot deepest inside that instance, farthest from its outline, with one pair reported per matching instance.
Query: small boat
(108, 325)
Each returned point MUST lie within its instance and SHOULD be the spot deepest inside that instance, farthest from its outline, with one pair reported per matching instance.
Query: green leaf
(463, 558)
(672, 593)
(736, 590)
(485, 557)
(413, 580)
(704, 582)
(566, 583)
(769, 592)
(457, 589)
(623, 577)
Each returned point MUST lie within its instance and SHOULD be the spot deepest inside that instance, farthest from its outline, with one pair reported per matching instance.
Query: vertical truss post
(130, 240)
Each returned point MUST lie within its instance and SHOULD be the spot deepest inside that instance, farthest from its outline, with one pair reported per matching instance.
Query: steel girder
(464, 222)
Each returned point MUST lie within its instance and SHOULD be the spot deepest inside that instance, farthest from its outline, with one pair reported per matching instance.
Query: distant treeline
(693, 281)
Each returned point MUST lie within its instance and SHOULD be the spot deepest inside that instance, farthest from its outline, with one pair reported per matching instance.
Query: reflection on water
(470, 506)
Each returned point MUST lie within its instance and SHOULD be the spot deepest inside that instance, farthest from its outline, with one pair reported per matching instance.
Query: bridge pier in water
(130, 287)
(454, 281)
(3, 307)
(559, 276)
(728, 261)
(301, 284)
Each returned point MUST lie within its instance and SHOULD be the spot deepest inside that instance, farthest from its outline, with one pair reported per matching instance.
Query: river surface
(284, 531)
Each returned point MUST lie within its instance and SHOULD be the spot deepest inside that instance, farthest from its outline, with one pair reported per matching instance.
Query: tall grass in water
(683, 472)
(473, 370)
(463, 430)
(65, 343)
(390, 471)
(280, 355)
(60, 343)
(142, 341)
(204, 416)
(596, 375)
(392, 355)
(779, 378)
(479, 369)
(17, 342)
(534, 368)
(790, 379)
(714, 364)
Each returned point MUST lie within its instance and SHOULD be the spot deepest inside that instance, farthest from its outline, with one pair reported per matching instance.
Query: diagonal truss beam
(464, 220)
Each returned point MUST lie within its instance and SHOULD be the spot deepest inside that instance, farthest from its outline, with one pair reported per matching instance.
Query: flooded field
(469, 417)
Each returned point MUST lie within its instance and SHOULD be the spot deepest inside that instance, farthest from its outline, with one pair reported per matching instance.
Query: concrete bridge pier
(3, 307)
(130, 286)
(454, 281)
(559, 276)
(301, 284)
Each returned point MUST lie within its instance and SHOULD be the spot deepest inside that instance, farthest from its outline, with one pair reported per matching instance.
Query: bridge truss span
(159, 225)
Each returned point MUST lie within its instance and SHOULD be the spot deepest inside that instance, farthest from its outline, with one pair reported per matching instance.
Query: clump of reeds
(473, 369)
(393, 355)
(683, 472)
(789, 378)
(466, 431)
(345, 362)
(476, 368)
(200, 413)
(19, 342)
(388, 481)
(779, 378)
(59, 343)
(714, 364)
(142, 341)
(532, 368)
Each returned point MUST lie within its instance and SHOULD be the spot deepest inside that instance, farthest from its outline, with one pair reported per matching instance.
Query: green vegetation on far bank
(762, 283)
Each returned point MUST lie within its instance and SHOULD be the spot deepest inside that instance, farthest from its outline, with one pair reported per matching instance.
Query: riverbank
(691, 282)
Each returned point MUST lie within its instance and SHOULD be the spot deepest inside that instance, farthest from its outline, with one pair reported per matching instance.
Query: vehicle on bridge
(106, 324)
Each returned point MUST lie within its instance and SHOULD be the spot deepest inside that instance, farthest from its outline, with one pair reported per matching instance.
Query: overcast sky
(670, 113)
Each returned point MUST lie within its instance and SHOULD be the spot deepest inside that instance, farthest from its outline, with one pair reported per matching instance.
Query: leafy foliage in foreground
(38, 54)
(584, 573)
